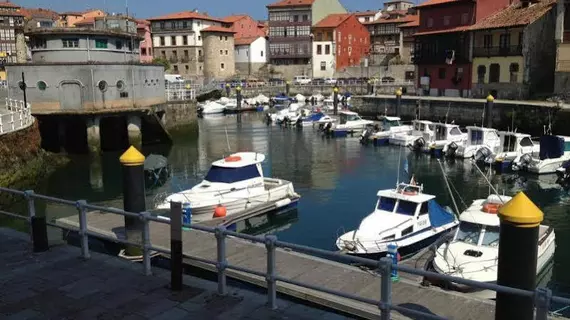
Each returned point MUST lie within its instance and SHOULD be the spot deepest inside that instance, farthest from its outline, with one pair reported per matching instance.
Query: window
(184, 24)
(121, 86)
(119, 44)
(319, 49)
(446, 20)
(173, 40)
(199, 52)
(488, 41)
(220, 38)
(222, 66)
(514, 70)
(295, 18)
(430, 22)
(175, 68)
(101, 43)
(406, 207)
(290, 31)
(70, 43)
(231, 175)
(455, 131)
(505, 40)
(226, 38)
(226, 52)
(262, 53)
(186, 67)
(494, 73)
(221, 52)
(526, 142)
(199, 38)
(305, 17)
(102, 85)
(328, 49)
(185, 53)
(184, 40)
(468, 232)
(481, 70)
(490, 236)
(303, 31)
(143, 51)
(41, 85)
(386, 204)
(323, 66)
(464, 18)
(441, 73)
(162, 41)
(162, 25)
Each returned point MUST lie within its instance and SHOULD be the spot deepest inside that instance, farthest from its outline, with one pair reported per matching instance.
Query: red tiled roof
(414, 23)
(515, 15)
(291, 3)
(217, 29)
(185, 15)
(8, 4)
(404, 19)
(234, 18)
(365, 13)
(245, 41)
(435, 2)
(456, 29)
(332, 20)
(31, 13)
(90, 20)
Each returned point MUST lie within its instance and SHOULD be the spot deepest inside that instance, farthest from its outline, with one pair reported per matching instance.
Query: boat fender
(220, 211)
(282, 203)
(491, 207)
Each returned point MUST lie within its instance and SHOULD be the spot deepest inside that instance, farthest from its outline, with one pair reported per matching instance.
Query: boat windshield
(440, 133)
(491, 236)
(231, 175)
(417, 126)
(386, 204)
(406, 207)
(344, 118)
(476, 136)
(468, 232)
(391, 123)
(509, 143)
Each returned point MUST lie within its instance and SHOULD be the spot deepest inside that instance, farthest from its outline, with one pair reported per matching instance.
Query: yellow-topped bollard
(488, 113)
(398, 101)
(518, 253)
(287, 87)
(132, 162)
(490, 98)
(399, 92)
(238, 97)
(335, 100)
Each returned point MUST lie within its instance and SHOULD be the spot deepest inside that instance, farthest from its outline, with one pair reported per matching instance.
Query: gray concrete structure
(219, 59)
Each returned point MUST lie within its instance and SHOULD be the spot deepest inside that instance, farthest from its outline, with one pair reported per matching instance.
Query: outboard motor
(419, 144)
(482, 154)
(299, 122)
(451, 149)
(524, 161)
(365, 136)
(328, 128)
(563, 173)
(268, 118)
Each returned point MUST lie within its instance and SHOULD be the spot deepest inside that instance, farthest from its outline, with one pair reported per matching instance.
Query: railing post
(175, 246)
(146, 243)
(221, 261)
(84, 237)
(385, 287)
(38, 224)
(271, 274)
(542, 299)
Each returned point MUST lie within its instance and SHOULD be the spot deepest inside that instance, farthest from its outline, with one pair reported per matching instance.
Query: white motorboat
(349, 122)
(446, 140)
(479, 138)
(285, 114)
(224, 100)
(404, 216)
(513, 144)
(301, 99)
(554, 151)
(473, 253)
(262, 99)
(328, 104)
(318, 97)
(235, 182)
(420, 128)
(211, 107)
(388, 129)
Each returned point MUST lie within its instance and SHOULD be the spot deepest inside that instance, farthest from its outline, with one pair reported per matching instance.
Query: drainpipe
(93, 85)
(88, 49)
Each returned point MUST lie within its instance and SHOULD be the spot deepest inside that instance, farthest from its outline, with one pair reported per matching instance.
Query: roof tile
(435, 2)
(515, 15)
(291, 3)
(415, 22)
(234, 18)
(332, 20)
(456, 29)
(185, 15)
(245, 41)
(217, 29)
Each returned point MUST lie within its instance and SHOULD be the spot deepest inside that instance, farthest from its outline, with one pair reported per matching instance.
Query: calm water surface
(337, 179)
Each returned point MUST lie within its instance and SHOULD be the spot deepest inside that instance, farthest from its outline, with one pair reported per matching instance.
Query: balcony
(173, 59)
(428, 57)
(185, 59)
(390, 43)
(289, 54)
(497, 51)
(384, 32)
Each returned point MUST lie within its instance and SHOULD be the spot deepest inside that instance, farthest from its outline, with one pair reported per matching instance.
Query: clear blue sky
(150, 8)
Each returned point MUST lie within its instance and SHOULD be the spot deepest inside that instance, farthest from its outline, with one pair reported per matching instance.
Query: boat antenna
(228, 140)
(489, 182)
(399, 160)
(448, 187)
(447, 112)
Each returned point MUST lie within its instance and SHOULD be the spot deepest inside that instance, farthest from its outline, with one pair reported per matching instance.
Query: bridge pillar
(61, 140)
(96, 173)
(134, 131)
(93, 134)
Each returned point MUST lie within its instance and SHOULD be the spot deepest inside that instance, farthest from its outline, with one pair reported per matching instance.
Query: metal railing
(542, 297)
(497, 51)
(17, 117)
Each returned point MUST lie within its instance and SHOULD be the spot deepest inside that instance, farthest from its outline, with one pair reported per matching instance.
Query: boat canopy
(551, 147)
(438, 216)
(240, 159)
(315, 116)
(219, 174)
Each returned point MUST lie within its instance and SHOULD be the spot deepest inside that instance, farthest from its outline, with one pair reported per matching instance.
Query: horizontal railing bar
(245, 236)
(250, 271)
(159, 249)
(405, 311)
(559, 299)
(112, 239)
(18, 192)
(329, 291)
(206, 261)
(112, 210)
(14, 215)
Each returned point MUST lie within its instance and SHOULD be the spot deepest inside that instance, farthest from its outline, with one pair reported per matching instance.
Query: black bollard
(176, 256)
(518, 250)
(287, 87)
(335, 100)
(133, 197)
(228, 89)
(238, 98)
(398, 101)
(489, 111)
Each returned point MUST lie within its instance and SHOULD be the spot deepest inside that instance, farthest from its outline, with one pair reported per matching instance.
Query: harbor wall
(524, 116)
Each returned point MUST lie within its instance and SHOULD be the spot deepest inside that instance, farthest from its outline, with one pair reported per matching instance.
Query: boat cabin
(421, 126)
(515, 142)
(349, 116)
(445, 131)
(389, 122)
(242, 168)
(482, 136)
(479, 224)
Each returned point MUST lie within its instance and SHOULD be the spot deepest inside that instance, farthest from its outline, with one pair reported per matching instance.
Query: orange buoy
(491, 207)
(220, 211)
(232, 158)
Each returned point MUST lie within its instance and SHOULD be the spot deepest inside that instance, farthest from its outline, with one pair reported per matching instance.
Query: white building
(324, 59)
(368, 16)
(250, 54)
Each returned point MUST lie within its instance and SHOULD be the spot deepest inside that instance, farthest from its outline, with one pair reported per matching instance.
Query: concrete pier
(134, 129)
(93, 134)
(96, 173)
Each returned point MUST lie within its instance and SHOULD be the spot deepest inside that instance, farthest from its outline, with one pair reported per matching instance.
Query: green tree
(163, 61)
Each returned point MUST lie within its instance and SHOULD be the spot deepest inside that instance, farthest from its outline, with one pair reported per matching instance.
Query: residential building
(368, 16)
(407, 46)
(290, 25)
(143, 31)
(177, 37)
(245, 26)
(250, 54)
(442, 43)
(12, 40)
(40, 18)
(340, 41)
(562, 37)
(69, 19)
(219, 58)
(514, 51)
(116, 22)
(398, 6)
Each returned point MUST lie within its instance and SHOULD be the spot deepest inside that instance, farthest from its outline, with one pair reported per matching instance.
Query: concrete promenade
(58, 284)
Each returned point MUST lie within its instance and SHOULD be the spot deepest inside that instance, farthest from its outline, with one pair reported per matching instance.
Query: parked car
(276, 81)
(173, 78)
(302, 80)
(318, 81)
(330, 81)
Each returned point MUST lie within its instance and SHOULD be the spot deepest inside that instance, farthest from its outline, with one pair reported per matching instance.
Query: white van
(301, 80)
(173, 78)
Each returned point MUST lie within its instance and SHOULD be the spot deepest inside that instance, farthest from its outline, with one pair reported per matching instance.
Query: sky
(153, 8)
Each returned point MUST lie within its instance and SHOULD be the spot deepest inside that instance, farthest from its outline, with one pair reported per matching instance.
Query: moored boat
(512, 145)
(390, 127)
(479, 139)
(349, 122)
(554, 151)
(420, 129)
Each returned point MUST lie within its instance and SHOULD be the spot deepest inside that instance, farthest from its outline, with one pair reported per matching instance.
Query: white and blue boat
(314, 118)
(512, 145)
(390, 127)
(281, 101)
(349, 122)
(404, 216)
(554, 151)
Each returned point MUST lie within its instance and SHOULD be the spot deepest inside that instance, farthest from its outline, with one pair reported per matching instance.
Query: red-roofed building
(368, 16)
(442, 44)
(244, 26)
(340, 41)
(290, 23)
(40, 17)
(13, 44)
(177, 37)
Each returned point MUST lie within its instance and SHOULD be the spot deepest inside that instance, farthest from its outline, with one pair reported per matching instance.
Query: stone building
(219, 59)
(514, 51)
(12, 41)
(143, 30)
(562, 37)
(250, 54)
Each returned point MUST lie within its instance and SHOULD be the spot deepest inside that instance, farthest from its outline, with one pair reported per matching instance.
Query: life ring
(232, 159)
(491, 207)
(410, 193)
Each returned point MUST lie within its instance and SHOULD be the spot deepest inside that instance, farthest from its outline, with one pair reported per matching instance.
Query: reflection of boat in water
(268, 223)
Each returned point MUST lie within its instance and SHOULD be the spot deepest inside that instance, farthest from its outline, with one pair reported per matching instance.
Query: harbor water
(337, 179)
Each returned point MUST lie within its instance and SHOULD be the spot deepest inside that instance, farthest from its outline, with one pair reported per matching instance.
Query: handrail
(19, 116)
(542, 297)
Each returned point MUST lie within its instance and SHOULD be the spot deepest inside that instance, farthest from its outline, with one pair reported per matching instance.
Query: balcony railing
(173, 59)
(497, 51)
(185, 59)
(437, 58)
(289, 54)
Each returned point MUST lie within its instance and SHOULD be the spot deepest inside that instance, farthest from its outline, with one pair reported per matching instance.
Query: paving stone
(172, 314)
(157, 307)
(25, 314)
(82, 287)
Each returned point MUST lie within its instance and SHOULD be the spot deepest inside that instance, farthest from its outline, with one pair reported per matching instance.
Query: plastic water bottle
(393, 254)
(186, 215)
